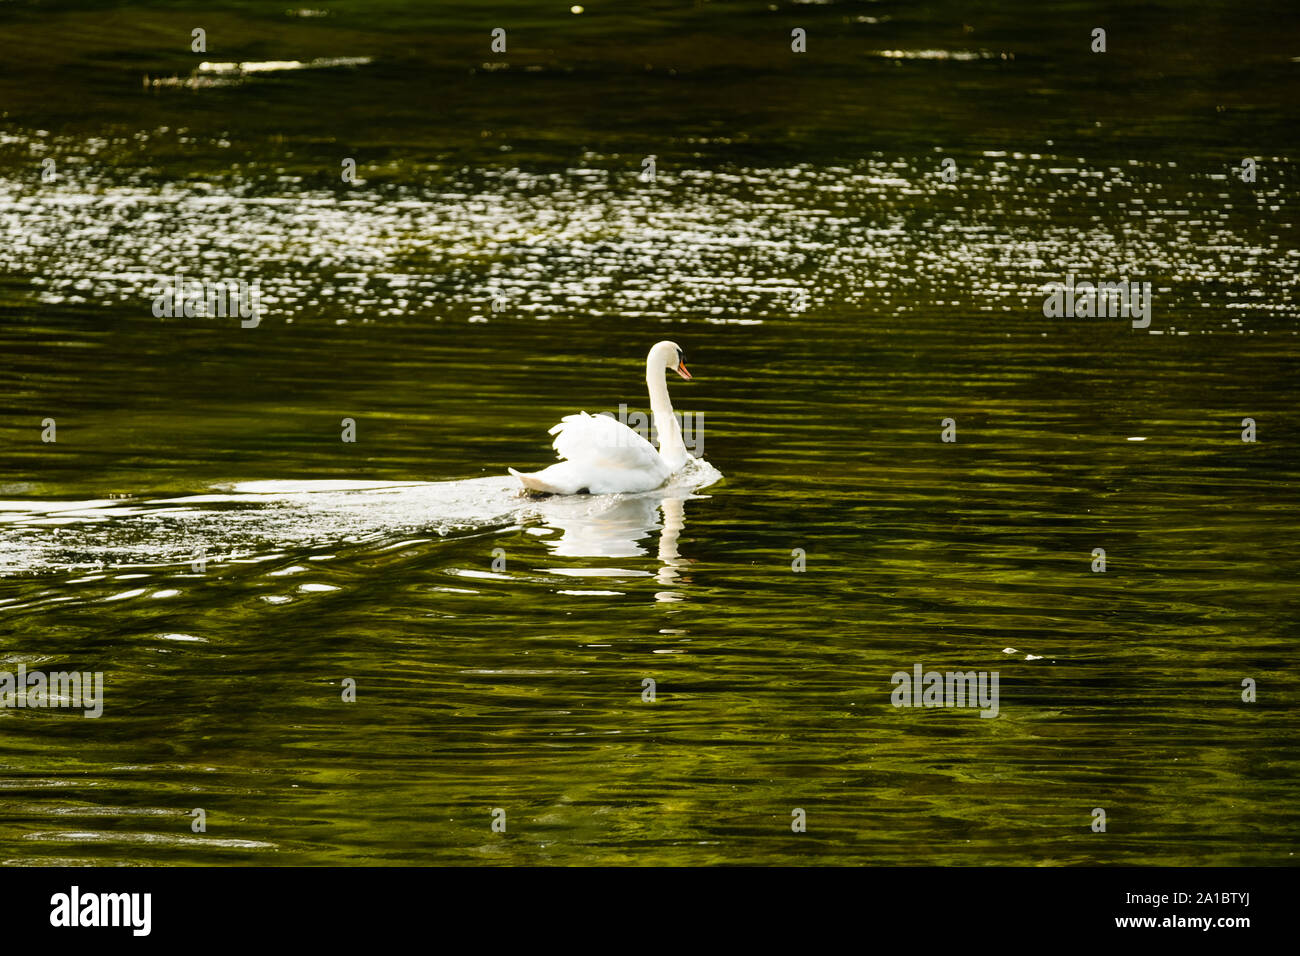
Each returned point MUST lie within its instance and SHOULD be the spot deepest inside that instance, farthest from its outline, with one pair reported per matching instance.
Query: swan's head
(669, 355)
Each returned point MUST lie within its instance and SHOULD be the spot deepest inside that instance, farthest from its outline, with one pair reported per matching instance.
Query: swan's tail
(535, 483)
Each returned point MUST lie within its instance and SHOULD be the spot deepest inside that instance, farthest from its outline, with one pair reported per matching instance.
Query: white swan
(603, 456)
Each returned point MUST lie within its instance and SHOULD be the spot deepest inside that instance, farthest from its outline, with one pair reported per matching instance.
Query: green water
(837, 300)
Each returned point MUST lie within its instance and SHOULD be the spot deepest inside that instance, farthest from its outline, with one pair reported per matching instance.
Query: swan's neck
(671, 446)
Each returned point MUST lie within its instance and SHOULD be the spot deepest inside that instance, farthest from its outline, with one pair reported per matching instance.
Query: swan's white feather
(602, 456)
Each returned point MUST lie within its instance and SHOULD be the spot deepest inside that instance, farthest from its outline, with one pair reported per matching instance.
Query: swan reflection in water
(606, 526)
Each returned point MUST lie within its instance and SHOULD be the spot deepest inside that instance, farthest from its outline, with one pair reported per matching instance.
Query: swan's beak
(681, 370)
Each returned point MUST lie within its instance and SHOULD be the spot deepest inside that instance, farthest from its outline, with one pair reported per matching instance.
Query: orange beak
(681, 370)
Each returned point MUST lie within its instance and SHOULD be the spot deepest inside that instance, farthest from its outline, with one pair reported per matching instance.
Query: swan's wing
(600, 456)
(604, 442)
